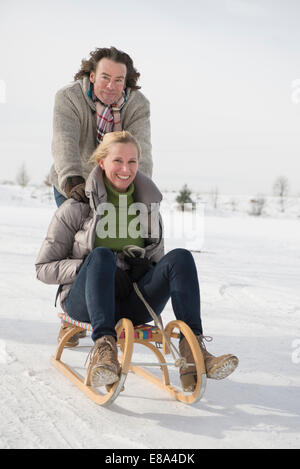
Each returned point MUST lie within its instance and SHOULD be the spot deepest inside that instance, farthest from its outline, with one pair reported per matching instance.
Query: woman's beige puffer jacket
(71, 233)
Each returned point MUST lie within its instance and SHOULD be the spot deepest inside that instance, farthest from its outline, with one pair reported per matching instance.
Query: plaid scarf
(108, 115)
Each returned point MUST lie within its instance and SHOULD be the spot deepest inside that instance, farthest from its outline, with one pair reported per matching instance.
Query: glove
(123, 284)
(139, 267)
(75, 189)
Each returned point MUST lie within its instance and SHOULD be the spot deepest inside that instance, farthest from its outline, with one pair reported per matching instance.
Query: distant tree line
(257, 204)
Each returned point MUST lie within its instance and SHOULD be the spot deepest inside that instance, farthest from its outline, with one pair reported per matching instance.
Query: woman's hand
(139, 267)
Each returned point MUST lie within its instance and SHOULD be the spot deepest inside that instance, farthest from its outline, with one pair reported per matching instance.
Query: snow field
(249, 274)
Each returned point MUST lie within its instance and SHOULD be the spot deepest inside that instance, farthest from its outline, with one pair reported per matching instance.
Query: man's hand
(75, 189)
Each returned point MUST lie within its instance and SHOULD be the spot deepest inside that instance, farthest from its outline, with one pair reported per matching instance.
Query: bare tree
(234, 204)
(257, 205)
(22, 176)
(214, 194)
(281, 189)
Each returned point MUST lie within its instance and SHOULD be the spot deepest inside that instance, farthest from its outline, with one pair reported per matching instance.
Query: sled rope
(179, 361)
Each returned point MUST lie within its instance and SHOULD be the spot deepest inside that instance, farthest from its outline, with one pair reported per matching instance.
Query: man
(104, 97)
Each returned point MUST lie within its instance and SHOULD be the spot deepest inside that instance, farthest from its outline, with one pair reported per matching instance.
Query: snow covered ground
(249, 271)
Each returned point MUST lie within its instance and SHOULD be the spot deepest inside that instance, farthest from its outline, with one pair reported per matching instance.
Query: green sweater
(112, 229)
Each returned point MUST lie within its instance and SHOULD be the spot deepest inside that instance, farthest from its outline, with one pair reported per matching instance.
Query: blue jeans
(59, 198)
(92, 296)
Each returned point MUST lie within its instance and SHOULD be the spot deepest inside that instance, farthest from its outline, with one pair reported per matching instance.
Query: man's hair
(110, 139)
(89, 65)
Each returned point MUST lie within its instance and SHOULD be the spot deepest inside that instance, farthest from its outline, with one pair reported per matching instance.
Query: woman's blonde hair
(111, 139)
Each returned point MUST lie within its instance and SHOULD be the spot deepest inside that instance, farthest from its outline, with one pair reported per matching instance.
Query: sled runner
(151, 337)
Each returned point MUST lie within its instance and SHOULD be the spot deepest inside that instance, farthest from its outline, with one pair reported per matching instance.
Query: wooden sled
(152, 338)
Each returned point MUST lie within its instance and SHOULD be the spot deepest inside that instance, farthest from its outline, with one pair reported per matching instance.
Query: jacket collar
(145, 191)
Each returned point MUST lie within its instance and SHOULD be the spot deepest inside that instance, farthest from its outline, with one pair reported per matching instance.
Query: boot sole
(223, 369)
(190, 388)
(102, 376)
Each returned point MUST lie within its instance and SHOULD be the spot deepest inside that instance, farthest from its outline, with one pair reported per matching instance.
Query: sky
(222, 77)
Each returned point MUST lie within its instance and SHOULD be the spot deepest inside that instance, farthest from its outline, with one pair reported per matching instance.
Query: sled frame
(126, 344)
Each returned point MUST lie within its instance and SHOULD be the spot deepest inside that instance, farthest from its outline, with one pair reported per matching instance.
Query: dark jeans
(92, 296)
(59, 198)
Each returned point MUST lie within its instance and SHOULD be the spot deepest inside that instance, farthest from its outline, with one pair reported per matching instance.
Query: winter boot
(104, 367)
(216, 367)
(64, 328)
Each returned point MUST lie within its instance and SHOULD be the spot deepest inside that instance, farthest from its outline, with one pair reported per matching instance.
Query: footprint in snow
(223, 289)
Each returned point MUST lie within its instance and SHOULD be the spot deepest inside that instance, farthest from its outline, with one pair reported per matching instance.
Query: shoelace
(201, 339)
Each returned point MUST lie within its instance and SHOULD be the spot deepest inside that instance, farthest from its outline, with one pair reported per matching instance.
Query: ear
(92, 76)
(101, 164)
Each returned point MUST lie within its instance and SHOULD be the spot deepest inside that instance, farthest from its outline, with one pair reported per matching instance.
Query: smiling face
(109, 80)
(120, 165)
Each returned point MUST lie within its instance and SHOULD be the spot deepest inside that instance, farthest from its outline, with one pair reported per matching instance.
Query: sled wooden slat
(88, 390)
(164, 383)
(83, 384)
(127, 337)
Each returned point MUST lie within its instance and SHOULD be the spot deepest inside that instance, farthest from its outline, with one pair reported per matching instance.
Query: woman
(84, 253)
